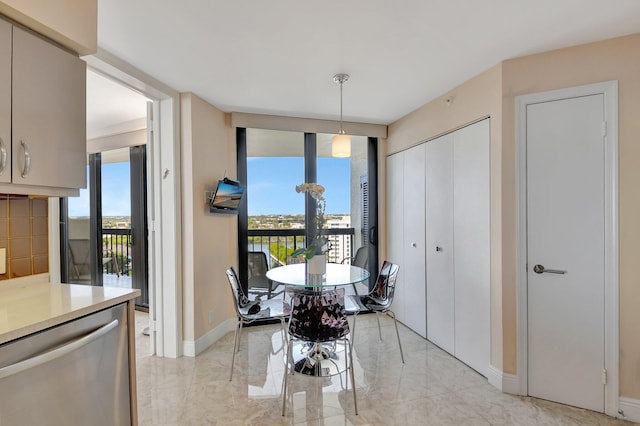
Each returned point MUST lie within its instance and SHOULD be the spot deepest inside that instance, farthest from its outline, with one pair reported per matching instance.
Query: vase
(317, 265)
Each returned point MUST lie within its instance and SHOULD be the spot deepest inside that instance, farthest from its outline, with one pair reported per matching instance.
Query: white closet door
(395, 225)
(415, 316)
(439, 242)
(471, 241)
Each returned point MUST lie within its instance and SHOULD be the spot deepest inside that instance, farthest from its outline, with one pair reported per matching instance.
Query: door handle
(58, 352)
(539, 269)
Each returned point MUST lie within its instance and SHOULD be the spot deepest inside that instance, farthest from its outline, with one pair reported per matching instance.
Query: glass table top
(336, 275)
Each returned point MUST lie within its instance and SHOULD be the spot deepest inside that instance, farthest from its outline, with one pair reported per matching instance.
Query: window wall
(275, 218)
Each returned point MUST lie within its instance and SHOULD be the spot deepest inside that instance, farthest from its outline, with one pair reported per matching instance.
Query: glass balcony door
(276, 220)
(104, 229)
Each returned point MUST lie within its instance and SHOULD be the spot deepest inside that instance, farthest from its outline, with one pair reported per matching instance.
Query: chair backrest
(318, 316)
(240, 300)
(361, 258)
(386, 282)
(258, 267)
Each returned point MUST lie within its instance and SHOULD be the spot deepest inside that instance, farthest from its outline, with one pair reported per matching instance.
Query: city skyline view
(271, 183)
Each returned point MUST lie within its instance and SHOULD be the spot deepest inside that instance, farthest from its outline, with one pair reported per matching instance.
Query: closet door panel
(439, 242)
(414, 240)
(395, 225)
(472, 245)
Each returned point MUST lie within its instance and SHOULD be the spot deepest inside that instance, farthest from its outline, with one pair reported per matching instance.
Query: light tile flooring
(432, 388)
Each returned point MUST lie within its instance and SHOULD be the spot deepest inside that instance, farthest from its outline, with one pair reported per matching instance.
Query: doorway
(567, 285)
(105, 226)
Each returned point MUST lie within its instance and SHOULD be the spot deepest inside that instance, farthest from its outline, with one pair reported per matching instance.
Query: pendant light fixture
(341, 143)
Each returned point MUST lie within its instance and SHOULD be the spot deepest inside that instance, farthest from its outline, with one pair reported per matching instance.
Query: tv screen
(227, 196)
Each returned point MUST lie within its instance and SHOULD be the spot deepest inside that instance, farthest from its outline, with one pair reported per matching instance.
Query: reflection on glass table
(337, 275)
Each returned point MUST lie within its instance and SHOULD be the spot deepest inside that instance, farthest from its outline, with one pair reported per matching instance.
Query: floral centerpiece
(318, 244)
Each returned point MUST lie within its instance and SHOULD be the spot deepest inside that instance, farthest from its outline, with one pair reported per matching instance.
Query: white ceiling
(279, 56)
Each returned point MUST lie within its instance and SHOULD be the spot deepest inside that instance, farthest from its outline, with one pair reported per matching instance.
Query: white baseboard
(193, 348)
(630, 408)
(505, 382)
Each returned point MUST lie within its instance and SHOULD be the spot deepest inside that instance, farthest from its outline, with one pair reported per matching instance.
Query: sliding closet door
(414, 238)
(395, 226)
(471, 245)
(439, 242)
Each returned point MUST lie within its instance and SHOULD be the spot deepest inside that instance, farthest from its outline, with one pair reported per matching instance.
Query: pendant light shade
(341, 143)
(341, 146)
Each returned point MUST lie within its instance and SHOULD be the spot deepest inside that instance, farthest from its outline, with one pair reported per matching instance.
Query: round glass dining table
(336, 275)
(319, 359)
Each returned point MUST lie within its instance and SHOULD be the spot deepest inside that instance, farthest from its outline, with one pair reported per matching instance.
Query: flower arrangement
(319, 243)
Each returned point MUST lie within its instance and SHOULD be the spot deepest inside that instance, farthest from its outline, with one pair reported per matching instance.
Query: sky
(271, 187)
(116, 193)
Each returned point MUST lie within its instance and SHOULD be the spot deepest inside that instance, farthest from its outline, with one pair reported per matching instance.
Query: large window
(276, 218)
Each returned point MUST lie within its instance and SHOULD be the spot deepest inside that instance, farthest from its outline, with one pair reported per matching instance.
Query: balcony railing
(278, 244)
(117, 241)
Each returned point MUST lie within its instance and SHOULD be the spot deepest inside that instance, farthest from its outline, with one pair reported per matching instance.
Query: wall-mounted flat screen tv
(227, 197)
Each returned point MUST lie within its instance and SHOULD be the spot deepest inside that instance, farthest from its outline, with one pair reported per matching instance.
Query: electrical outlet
(211, 316)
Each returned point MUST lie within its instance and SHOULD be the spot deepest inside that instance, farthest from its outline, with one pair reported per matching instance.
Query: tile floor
(432, 388)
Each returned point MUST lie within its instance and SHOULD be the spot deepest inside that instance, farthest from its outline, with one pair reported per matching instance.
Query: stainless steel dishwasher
(74, 374)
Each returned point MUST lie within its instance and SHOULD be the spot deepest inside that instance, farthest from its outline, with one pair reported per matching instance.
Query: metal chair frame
(300, 299)
(242, 306)
(379, 300)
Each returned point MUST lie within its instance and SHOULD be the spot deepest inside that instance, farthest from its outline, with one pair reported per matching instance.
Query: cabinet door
(472, 245)
(395, 226)
(49, 114)
(414, 254)
(5, 102)
(439, 242)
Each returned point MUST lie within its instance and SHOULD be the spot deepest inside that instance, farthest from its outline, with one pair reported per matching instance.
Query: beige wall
(210, 243)
(493, 93)
(471, 101)
(617, 59)
(72, 23)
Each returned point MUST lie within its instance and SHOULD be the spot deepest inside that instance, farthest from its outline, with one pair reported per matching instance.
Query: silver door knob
(438, 248)
(539, 269)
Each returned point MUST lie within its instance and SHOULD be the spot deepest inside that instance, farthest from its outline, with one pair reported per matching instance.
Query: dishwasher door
(74, 374)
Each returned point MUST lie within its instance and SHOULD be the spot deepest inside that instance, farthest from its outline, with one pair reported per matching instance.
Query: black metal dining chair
(252, 311)
(379, 300)
(318, 322)
(258, 283)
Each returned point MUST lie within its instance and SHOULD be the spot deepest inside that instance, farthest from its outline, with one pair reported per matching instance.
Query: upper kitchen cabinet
(5, 102)
(71, 23)
(48, 116)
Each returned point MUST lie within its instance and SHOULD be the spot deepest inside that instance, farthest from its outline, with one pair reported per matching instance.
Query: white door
(414, 268)
(439, 242)
(471, 244)
(565, 235)
(395, 226)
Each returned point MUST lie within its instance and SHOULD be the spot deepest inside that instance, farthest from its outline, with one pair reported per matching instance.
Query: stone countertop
(27, 307)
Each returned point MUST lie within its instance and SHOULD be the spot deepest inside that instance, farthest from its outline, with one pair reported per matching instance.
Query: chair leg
(379, 329)
(236, 345)
(286, 376)
(351, 373)
(353, 329)
(395, 322)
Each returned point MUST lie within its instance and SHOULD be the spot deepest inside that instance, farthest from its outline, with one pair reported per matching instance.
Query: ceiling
(279, 56)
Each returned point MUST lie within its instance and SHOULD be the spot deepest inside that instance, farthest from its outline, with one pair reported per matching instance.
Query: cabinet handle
(27, 160)
(438, 248)
(3, 157)
(56, 353)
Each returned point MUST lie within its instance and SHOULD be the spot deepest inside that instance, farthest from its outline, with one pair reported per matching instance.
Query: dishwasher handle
(56, 353)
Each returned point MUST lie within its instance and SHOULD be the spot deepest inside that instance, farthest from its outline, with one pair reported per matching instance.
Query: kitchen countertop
(27, 307)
